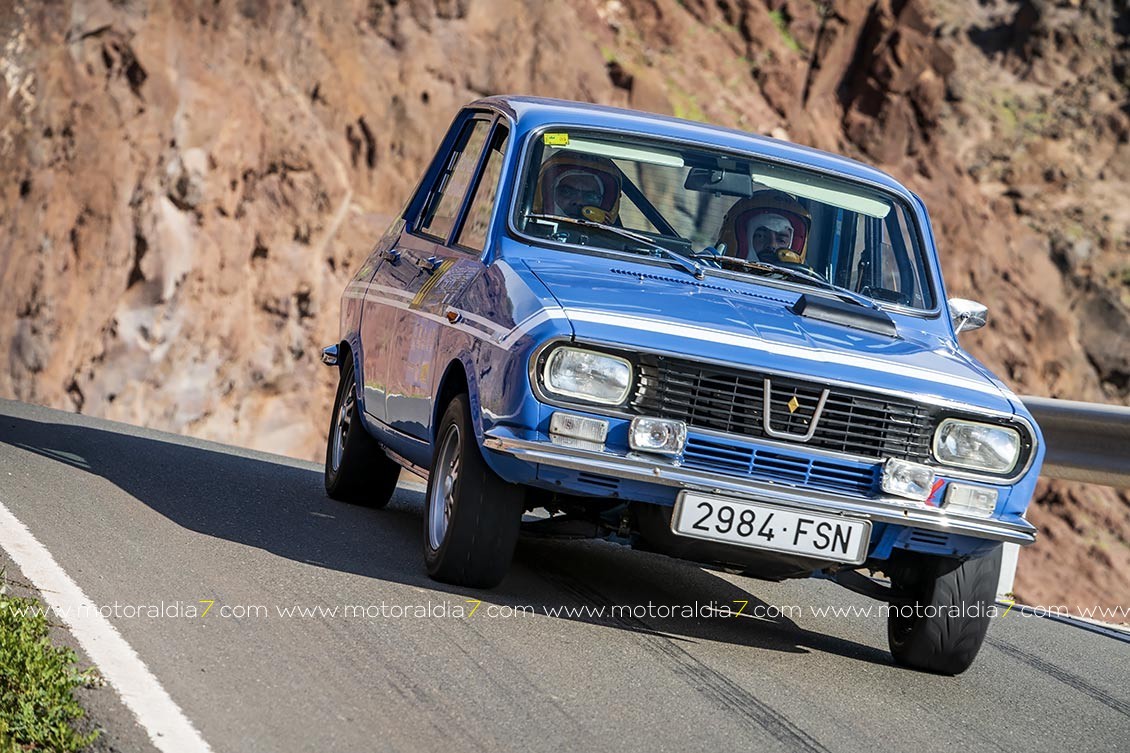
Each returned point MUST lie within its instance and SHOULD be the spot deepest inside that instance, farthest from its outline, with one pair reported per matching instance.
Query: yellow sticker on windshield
(556, 139)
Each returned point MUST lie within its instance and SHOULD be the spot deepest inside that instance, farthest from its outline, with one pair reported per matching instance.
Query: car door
(382, 293)
(391, 286)
(441, 259)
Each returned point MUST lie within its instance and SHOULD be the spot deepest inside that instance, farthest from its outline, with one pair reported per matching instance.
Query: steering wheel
(803, 269)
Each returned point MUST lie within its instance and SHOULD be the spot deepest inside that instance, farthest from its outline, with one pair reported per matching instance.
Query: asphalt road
(138, 518)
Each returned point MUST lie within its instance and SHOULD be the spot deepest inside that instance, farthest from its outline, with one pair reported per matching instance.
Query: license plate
(779, 529)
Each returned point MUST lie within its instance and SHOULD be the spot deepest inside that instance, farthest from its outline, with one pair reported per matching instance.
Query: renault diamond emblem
(793, 405)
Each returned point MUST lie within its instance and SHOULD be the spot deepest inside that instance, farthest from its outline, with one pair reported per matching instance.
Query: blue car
(692, 340)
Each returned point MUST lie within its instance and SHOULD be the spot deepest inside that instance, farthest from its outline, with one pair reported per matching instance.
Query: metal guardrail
(1085, 441)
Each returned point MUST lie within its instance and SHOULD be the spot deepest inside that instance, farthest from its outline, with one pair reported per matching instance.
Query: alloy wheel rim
(441, 499)
(341, 429)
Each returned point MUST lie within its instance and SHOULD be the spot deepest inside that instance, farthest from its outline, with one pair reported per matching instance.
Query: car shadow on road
(279, 505)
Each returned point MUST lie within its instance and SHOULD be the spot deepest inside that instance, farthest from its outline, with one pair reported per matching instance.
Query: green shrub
(37, 707)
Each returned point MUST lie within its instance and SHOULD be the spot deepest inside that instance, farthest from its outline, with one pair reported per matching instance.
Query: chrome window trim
(473, 116)
(531, 136)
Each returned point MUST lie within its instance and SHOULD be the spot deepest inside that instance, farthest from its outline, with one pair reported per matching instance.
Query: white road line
(142, 694)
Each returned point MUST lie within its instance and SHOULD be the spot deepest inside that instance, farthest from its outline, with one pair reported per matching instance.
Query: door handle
(391, 255)
(429, 265)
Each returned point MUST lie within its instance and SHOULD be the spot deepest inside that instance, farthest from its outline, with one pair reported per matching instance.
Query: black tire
(952, 601)
(357, 469)
(470, 524)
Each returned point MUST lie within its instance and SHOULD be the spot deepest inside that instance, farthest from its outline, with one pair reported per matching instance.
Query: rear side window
(473, 236)
(446, 198)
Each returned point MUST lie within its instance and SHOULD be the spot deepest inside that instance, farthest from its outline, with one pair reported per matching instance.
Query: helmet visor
(578, 187)
(768, 232)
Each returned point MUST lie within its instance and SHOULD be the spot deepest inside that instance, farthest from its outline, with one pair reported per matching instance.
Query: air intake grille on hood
(697, 284)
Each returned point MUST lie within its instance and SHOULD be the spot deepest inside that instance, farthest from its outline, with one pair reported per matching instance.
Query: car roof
(530, 113)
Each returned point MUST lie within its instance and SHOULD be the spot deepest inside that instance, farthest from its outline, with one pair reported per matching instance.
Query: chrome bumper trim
(637, 468)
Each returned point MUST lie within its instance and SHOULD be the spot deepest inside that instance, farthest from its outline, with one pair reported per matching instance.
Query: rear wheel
(472, 516)
(357, 469)
(942, 629)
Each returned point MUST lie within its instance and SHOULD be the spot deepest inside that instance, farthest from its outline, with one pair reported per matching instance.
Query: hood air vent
(847, 314)
(694, 283)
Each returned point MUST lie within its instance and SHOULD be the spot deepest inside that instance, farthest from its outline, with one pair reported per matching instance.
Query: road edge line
(167, 726)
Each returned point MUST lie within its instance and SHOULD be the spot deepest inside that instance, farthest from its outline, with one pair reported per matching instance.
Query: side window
(473, 236)
(446, 198)
(912, 261)
(878, 262)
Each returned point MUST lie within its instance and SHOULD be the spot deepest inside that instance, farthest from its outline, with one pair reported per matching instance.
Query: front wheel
(943, 627)
(472, 516)
(357, 469)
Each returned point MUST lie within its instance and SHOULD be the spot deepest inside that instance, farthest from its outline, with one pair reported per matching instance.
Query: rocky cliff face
(191, 184)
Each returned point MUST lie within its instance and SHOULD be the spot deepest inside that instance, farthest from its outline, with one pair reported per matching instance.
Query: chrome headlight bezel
(554, 357)
(946, 459)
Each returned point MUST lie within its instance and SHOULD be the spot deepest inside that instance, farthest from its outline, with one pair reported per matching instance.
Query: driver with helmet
(769, 226)
(580, 186)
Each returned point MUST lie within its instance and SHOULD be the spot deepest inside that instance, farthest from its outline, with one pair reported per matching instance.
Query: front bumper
(634, 467)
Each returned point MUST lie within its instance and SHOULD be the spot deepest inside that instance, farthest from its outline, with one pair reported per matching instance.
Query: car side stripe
(406, 306)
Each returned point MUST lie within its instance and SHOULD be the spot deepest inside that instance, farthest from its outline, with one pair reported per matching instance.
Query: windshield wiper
(843, 293)
(684, 263)
(794, 273)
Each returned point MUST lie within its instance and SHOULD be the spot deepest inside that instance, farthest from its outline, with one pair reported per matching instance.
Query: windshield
(721, 212)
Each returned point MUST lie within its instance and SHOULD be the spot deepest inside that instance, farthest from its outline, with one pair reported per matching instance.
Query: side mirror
(967, 315)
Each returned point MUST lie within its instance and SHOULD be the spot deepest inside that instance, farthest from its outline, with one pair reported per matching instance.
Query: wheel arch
(456, 379)
(347, 353)
(344, 353)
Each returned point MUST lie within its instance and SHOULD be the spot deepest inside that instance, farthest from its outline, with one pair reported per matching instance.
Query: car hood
(642, 306)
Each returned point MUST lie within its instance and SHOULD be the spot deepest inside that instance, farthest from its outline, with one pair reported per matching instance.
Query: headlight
(588, 375)
(984, 447)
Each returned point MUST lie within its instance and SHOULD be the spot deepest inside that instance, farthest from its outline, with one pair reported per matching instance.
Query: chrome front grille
(732, 401)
